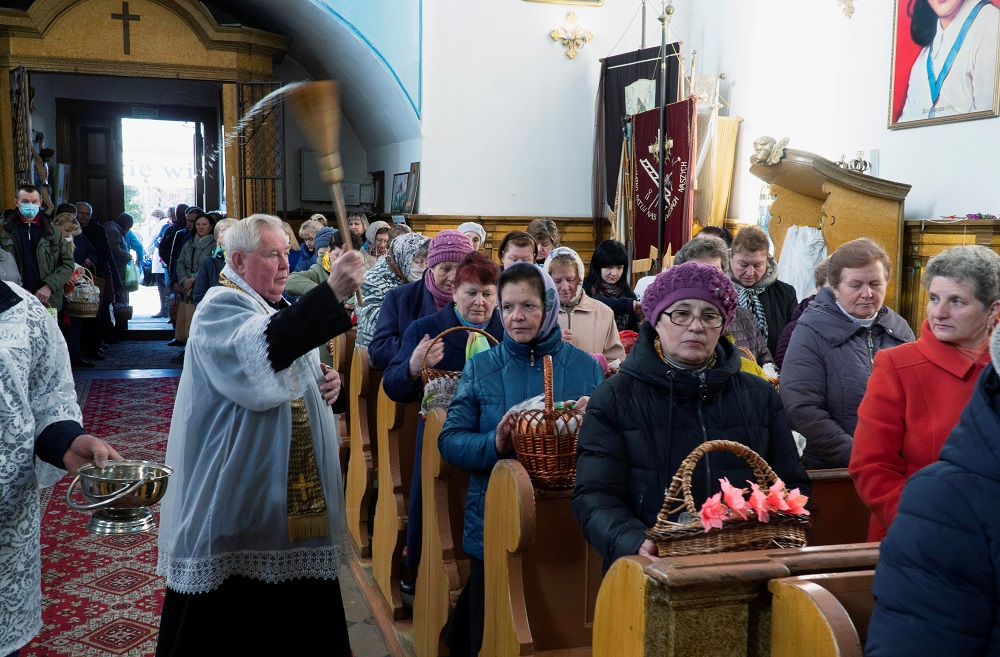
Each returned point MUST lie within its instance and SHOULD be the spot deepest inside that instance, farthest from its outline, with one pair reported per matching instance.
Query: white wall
(508, 120)
(805, 71)
(396, 158)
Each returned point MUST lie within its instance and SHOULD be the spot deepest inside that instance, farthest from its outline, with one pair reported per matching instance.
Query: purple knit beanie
(448, 246)
(692, 280)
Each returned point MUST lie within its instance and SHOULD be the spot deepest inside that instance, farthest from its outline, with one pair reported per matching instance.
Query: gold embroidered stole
(305, 502)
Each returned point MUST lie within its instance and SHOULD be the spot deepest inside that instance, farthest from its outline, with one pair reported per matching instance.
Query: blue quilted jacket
(492, 382)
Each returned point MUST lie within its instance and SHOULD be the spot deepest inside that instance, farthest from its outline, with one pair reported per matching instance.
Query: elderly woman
(307, 252)
(516, 246)
(475, 233)
(376, 242)
(917, 391)
(586, 323)
(474, 306)
(755, 276)
(546, 236)
(202, 246)
(711, 250)
(406, 303)
(829, 357)
(606, 282)
(476, 434)
(680, 386)
(404, 263)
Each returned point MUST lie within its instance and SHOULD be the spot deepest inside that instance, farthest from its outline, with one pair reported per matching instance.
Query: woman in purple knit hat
(680, 386)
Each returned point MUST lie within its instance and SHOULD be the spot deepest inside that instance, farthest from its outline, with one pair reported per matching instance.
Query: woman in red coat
(917, 390)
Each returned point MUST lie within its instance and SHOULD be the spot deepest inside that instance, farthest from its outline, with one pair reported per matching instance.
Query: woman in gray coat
(194, 251)
(829, 357)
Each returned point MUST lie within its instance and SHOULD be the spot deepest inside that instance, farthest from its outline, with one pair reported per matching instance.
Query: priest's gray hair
(704, 248)
(245, 235)
(975, 263)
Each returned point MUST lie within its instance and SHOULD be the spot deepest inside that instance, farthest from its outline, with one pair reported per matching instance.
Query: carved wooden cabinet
(923, 239)
(810, 190)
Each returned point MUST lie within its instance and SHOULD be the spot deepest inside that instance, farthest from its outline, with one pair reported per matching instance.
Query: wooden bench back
(397, 440)
(542, 577)
(444, 565)
(361, 473)
(838, 514)
(821, 615)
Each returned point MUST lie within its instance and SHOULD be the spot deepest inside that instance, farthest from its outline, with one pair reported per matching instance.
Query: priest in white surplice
(252, 524)
(39, 428)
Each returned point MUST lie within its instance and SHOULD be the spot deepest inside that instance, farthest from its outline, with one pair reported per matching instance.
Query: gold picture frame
(958, 96)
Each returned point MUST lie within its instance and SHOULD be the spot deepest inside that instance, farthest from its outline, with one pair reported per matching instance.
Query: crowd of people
(714, 337)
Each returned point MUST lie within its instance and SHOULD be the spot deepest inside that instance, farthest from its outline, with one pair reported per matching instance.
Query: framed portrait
(944, 62)
(412, 182)
(398, 192)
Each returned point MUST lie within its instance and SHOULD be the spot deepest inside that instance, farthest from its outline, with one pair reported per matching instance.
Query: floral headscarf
(550, 321)
(401, 253)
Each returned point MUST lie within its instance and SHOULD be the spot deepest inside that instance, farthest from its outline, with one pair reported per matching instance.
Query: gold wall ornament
(571, 35)
(848, 6)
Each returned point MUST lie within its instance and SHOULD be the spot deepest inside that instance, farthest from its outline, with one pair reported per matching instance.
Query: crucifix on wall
(126, 18)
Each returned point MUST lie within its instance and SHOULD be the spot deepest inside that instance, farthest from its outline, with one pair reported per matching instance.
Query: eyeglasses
(686, 318)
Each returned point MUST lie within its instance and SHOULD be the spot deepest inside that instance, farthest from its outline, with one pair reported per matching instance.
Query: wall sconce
(571, 35)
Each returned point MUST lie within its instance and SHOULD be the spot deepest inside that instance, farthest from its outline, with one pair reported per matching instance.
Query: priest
(252, 523)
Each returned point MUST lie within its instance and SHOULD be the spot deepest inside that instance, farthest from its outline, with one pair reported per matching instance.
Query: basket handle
(682, 480)
(547, 383)
(472, 329)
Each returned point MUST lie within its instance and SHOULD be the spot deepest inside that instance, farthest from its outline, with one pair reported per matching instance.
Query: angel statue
(766, 150)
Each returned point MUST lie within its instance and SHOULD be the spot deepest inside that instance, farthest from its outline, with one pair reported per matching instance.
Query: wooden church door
(92, 138)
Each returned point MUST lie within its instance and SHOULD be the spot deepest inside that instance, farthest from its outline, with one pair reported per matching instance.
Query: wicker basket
(440, 385)
(545, 440)
(783, 530)
(85, 298)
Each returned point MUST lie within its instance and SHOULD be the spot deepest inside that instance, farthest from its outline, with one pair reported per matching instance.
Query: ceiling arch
(380, 83)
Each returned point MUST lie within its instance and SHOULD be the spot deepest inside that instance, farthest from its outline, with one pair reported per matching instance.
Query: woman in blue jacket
(476, 434)
(475, 306)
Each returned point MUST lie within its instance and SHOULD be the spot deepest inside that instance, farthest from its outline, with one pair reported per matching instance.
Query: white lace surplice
(36, 390)
(224, 512)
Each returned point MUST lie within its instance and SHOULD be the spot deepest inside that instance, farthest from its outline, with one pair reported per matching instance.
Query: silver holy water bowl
(120, 495)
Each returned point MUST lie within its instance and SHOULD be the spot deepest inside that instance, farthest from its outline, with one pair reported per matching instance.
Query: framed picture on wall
(412, 182)
(944, 62)
(398, 192)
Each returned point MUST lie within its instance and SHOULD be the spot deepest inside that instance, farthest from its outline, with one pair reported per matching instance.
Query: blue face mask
(29, 210)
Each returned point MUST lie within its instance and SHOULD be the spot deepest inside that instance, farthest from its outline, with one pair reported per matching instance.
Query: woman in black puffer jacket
(681, 386)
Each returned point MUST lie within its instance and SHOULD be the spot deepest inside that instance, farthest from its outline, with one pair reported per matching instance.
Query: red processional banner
(678, 172)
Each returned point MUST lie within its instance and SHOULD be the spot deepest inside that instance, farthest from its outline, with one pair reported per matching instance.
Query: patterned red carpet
(101, 595)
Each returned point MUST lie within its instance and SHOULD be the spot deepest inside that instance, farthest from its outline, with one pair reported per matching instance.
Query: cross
(302, 487)
(125, 17)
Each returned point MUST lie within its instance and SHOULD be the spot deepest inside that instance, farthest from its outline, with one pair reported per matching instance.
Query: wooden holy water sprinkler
(317, 107)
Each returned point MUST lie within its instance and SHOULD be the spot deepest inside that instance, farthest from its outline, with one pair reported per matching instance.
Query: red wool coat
(914, 397)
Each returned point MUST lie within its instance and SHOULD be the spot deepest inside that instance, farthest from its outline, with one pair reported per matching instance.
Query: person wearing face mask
(404, 263)
(586, 323)
(376, 243)
(44, 258)
(474, 306)
(830, 355)
(406, 303)
(477, 434)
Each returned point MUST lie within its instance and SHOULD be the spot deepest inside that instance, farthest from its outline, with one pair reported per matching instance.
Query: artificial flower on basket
(730, 503)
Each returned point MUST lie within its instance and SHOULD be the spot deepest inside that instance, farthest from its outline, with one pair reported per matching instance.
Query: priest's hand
(86, 448)
(331, 384)
(347, 273)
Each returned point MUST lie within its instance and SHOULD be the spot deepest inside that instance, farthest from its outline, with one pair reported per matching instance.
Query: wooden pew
(541, 576)
(823, 615)
(717, 604)
(341, 351)
(838, 514)
(444, 566)
(396, 430)
(361, 472)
